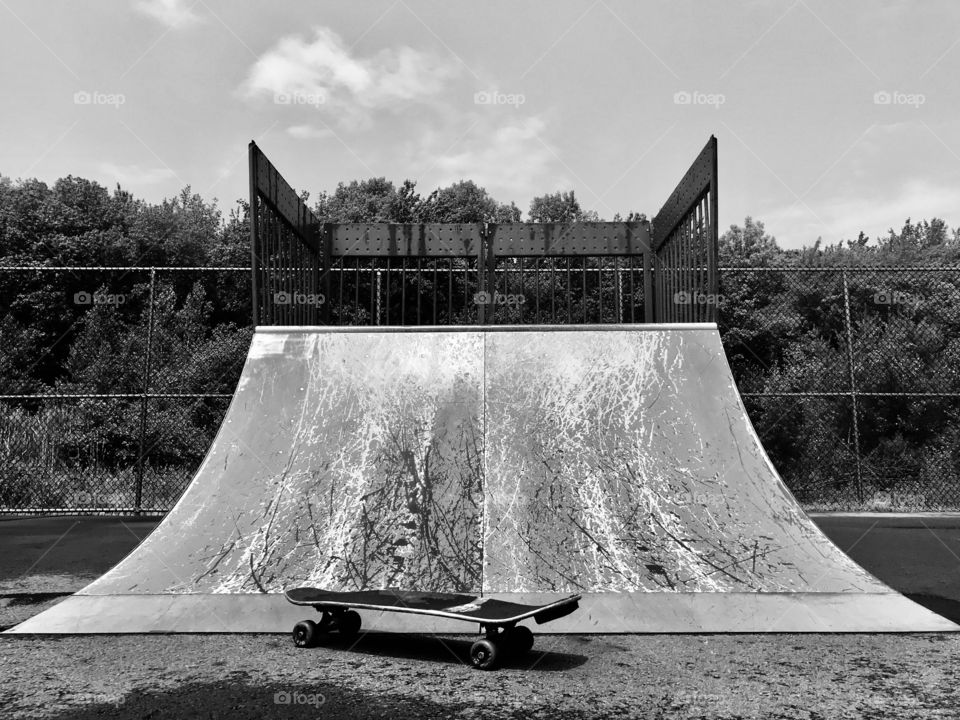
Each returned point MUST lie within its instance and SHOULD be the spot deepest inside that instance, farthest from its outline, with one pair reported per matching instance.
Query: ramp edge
(602, 613)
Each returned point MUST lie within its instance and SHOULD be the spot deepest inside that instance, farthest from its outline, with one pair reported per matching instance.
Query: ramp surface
(518, 463)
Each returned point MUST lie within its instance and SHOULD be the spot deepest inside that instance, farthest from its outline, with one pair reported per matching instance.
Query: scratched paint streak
(357, 466)
(616, 461)
(631, 477)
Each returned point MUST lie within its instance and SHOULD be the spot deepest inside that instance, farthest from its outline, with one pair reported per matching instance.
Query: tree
(461, 202)
(372, 200)
(560, 207)
(749, 245)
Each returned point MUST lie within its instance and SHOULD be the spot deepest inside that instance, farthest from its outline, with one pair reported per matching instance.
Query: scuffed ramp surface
(624, 460)
(346, 461)
(520, 463)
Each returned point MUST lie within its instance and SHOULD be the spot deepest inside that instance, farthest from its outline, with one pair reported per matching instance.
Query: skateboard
(497, 618)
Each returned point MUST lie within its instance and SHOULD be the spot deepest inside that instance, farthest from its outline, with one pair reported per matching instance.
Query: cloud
(894, 171)
(843, 218)
(513, 157)
(324, 73)
(172, 13)
(308, 132)
(134, 175)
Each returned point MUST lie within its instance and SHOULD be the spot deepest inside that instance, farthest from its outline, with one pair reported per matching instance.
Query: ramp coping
(659, 327)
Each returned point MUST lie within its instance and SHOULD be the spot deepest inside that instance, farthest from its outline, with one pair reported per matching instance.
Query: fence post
(853, 386)
(147, 359)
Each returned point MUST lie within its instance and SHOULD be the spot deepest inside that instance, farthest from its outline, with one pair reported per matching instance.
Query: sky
(831, 118)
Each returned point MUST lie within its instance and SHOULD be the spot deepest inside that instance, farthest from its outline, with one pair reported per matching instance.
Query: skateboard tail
(556, 612)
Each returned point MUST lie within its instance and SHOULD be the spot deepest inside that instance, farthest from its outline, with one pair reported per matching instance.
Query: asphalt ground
(916, 554)
(720, 677)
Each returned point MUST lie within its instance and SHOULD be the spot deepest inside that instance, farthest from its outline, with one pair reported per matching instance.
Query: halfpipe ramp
(520, 462)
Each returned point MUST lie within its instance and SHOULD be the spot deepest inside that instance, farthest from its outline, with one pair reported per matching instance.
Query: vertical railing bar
(403, 290)
(435, 263)
(617, 288)
(340, 284)
(600, 263)
(584, 300)
(285, 271)
(703, 274)
(682, 262)
(274, 311)
(356, 287)
(521, 293)
(386, 294)
(695, 260)
(450, 291)
(536, 288)
(373, 279)
(553, 290)
(688, 264)
(648, 279)
(303, 309)
(668, 282)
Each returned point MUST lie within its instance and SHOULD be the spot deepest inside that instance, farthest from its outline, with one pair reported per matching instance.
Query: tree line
(70, 332)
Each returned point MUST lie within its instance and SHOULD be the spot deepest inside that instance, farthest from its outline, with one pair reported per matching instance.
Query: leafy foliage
(785, 331)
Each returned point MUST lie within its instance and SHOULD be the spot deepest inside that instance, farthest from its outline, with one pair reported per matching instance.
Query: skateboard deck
(486, 611)
(497, 618)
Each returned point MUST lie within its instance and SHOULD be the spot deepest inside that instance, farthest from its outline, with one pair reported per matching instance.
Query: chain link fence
(113, 381)
(851, 377)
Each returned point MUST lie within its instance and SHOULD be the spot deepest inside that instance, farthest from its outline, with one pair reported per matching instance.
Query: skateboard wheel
(349, 623)
(484, 654)
(305, 634)
(519, 639)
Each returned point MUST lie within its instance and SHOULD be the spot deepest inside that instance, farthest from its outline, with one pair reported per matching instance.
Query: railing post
(482, 271)
(649, 286)
(254, 233)
(144, 395)
(853, 386)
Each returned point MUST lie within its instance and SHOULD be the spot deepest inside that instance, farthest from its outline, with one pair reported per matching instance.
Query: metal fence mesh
(850, 376)
(113, 382)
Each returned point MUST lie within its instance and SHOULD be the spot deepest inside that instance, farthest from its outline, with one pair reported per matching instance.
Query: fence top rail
(723, 268)
(841, 268)
(146, 268)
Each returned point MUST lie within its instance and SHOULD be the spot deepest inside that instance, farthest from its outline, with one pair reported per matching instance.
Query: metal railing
(308, 271)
